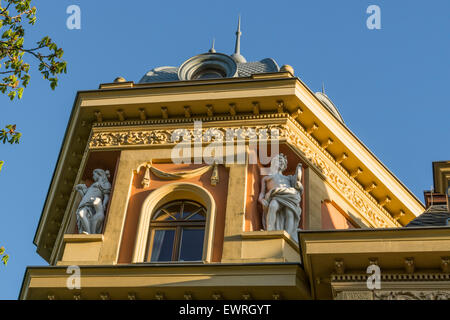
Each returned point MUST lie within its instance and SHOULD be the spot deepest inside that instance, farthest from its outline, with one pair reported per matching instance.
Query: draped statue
(91, 209)
(280, 197)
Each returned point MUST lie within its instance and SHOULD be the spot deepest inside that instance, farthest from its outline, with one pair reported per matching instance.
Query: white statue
(91, 210)
(280, 197)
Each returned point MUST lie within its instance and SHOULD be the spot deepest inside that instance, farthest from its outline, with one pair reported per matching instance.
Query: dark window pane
(163, 215)
(191, 247)
(193, 211)
(197, 216)
(171, 211)
(174, 209)
(162, 245)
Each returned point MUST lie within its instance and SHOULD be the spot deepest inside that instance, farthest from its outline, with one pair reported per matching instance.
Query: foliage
(15, 71)
(9, 135)
(3, 257)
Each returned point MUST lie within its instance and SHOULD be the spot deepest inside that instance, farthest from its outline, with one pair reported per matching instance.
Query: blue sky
(390, 85)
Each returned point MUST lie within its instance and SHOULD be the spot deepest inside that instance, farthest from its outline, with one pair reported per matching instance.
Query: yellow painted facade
(134, 123)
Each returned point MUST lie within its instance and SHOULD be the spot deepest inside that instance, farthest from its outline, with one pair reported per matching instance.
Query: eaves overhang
(202, 280)
(356, 249)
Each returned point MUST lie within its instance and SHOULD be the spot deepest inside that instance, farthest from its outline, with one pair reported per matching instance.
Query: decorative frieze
(298, 137)
(155, 137)
(411, 295)
(392, 295)
(354, 295)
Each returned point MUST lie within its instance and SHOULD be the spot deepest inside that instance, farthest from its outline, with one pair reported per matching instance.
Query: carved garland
(412, 295)
(177, 175)
(279, 131)
(157, 137)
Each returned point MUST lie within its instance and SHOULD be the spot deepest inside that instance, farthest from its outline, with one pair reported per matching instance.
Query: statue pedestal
(266, 246)
(81, 249)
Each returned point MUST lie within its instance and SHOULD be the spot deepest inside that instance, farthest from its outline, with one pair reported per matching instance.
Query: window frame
(169, 192)
(178, 226)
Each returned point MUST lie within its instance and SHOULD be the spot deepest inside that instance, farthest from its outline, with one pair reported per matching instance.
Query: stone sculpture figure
(91, 209)
(280, 197)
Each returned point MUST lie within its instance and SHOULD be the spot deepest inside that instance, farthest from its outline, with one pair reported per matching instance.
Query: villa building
(192, 182)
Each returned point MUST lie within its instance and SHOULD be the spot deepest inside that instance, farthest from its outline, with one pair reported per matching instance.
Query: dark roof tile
(436, 215)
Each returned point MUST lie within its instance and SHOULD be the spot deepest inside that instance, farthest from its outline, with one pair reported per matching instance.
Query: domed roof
(238, 58)
(212, 65)
(222, 64)
(329, 105)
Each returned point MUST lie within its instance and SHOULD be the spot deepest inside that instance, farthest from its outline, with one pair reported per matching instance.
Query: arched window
(177, 232)
(166, 195)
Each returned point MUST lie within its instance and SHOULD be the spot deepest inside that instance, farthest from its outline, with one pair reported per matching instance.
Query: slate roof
(436, 215)
(263, 66)
(162, 74)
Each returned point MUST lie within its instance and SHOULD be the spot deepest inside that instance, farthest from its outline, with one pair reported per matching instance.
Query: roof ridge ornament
(212, 50)
(237, 48)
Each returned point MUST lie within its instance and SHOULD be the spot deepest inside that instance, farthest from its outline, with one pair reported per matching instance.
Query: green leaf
(5, 259)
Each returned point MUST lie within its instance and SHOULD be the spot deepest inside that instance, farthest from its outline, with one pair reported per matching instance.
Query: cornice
(151, 122)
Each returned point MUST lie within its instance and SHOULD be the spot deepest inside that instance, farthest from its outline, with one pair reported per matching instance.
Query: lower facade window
(177, 232)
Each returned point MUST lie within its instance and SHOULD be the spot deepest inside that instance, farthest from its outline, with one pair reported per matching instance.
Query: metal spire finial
(212, 50)
(237, 49)
(323, 87)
